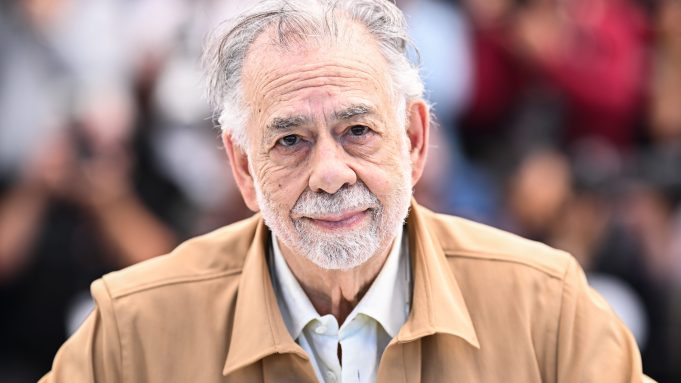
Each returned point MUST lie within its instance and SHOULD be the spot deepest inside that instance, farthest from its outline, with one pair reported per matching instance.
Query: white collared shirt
(366, 332)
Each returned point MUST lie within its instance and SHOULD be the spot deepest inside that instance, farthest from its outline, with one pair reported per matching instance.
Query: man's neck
(335, 292)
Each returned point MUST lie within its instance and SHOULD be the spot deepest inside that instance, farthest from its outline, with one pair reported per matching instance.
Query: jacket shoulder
(462, 238)
(218, 254)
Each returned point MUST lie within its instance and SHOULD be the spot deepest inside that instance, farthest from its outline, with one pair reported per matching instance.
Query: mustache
(347, 198)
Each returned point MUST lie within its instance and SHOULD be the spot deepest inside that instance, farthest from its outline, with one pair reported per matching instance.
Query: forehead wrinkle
(312, 76)
(273, 76)
(266, 59)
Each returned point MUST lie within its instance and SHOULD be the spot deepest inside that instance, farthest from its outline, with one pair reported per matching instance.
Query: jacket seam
(498, 257)
(277, 346)
(426, 278)
(560, 321)
(118, 329)
(404, 365)
(173, 281)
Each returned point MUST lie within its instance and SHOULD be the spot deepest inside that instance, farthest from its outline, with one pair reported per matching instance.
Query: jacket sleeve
(93, 353)
(593, 344)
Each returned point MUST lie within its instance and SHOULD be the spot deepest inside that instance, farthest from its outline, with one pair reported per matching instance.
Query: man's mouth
(346, 220)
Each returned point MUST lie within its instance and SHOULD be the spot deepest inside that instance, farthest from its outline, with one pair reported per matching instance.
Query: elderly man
(341, 276)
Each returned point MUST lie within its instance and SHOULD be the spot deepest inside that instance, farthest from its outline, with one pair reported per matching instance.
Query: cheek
(282, 185)
(385, 176)
(381, 179)
(385, 167)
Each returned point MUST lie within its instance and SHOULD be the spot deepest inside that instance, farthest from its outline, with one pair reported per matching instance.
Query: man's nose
(330, 170)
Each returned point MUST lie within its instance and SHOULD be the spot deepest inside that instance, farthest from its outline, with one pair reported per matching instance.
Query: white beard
(347, 249)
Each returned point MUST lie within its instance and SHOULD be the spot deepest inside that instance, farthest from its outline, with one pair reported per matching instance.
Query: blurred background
(559, 120)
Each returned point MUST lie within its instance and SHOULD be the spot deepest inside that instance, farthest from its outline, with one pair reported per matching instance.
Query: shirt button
(321, 329)
(330, 377)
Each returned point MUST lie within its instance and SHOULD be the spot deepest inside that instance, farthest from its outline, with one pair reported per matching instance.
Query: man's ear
(418, 131)
(238, 161)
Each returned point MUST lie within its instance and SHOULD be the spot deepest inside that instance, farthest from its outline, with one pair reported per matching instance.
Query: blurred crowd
(559, 120)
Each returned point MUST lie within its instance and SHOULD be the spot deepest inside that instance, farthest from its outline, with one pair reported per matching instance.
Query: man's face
(328, 153)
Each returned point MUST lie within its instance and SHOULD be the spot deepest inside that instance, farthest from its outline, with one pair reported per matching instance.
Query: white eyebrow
(294, 121)
(353, 111)
(286, 123)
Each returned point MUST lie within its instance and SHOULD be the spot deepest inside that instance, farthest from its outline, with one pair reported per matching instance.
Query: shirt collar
(296, 308)
(385, 300)
(437, 306)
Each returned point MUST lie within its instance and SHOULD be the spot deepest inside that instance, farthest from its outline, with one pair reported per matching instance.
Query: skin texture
(299, 95)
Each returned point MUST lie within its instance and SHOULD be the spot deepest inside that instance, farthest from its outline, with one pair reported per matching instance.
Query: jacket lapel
(437, 304)
(259, 330)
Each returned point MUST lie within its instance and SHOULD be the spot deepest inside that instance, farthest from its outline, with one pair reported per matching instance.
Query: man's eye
(359, 130)
(289, 140)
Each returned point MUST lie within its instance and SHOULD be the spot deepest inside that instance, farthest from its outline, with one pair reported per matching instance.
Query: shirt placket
(324, 331)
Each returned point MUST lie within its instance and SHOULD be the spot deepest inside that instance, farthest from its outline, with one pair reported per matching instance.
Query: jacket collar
(259, 329)
(437, 303)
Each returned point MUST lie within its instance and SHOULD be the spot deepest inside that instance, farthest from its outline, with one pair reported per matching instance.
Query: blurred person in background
(81, 191)
(551, 72)
(665, 133)
(617, 220)
(452, 184)
(665, 85)
(651, 211)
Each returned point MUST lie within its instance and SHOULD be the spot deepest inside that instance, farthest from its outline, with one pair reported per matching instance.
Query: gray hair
(298, 21)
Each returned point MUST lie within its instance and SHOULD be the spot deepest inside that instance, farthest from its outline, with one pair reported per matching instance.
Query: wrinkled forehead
(348, 63)
(278, 48)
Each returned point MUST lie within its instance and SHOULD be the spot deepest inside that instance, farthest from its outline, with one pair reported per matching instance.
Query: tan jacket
(487, 307)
